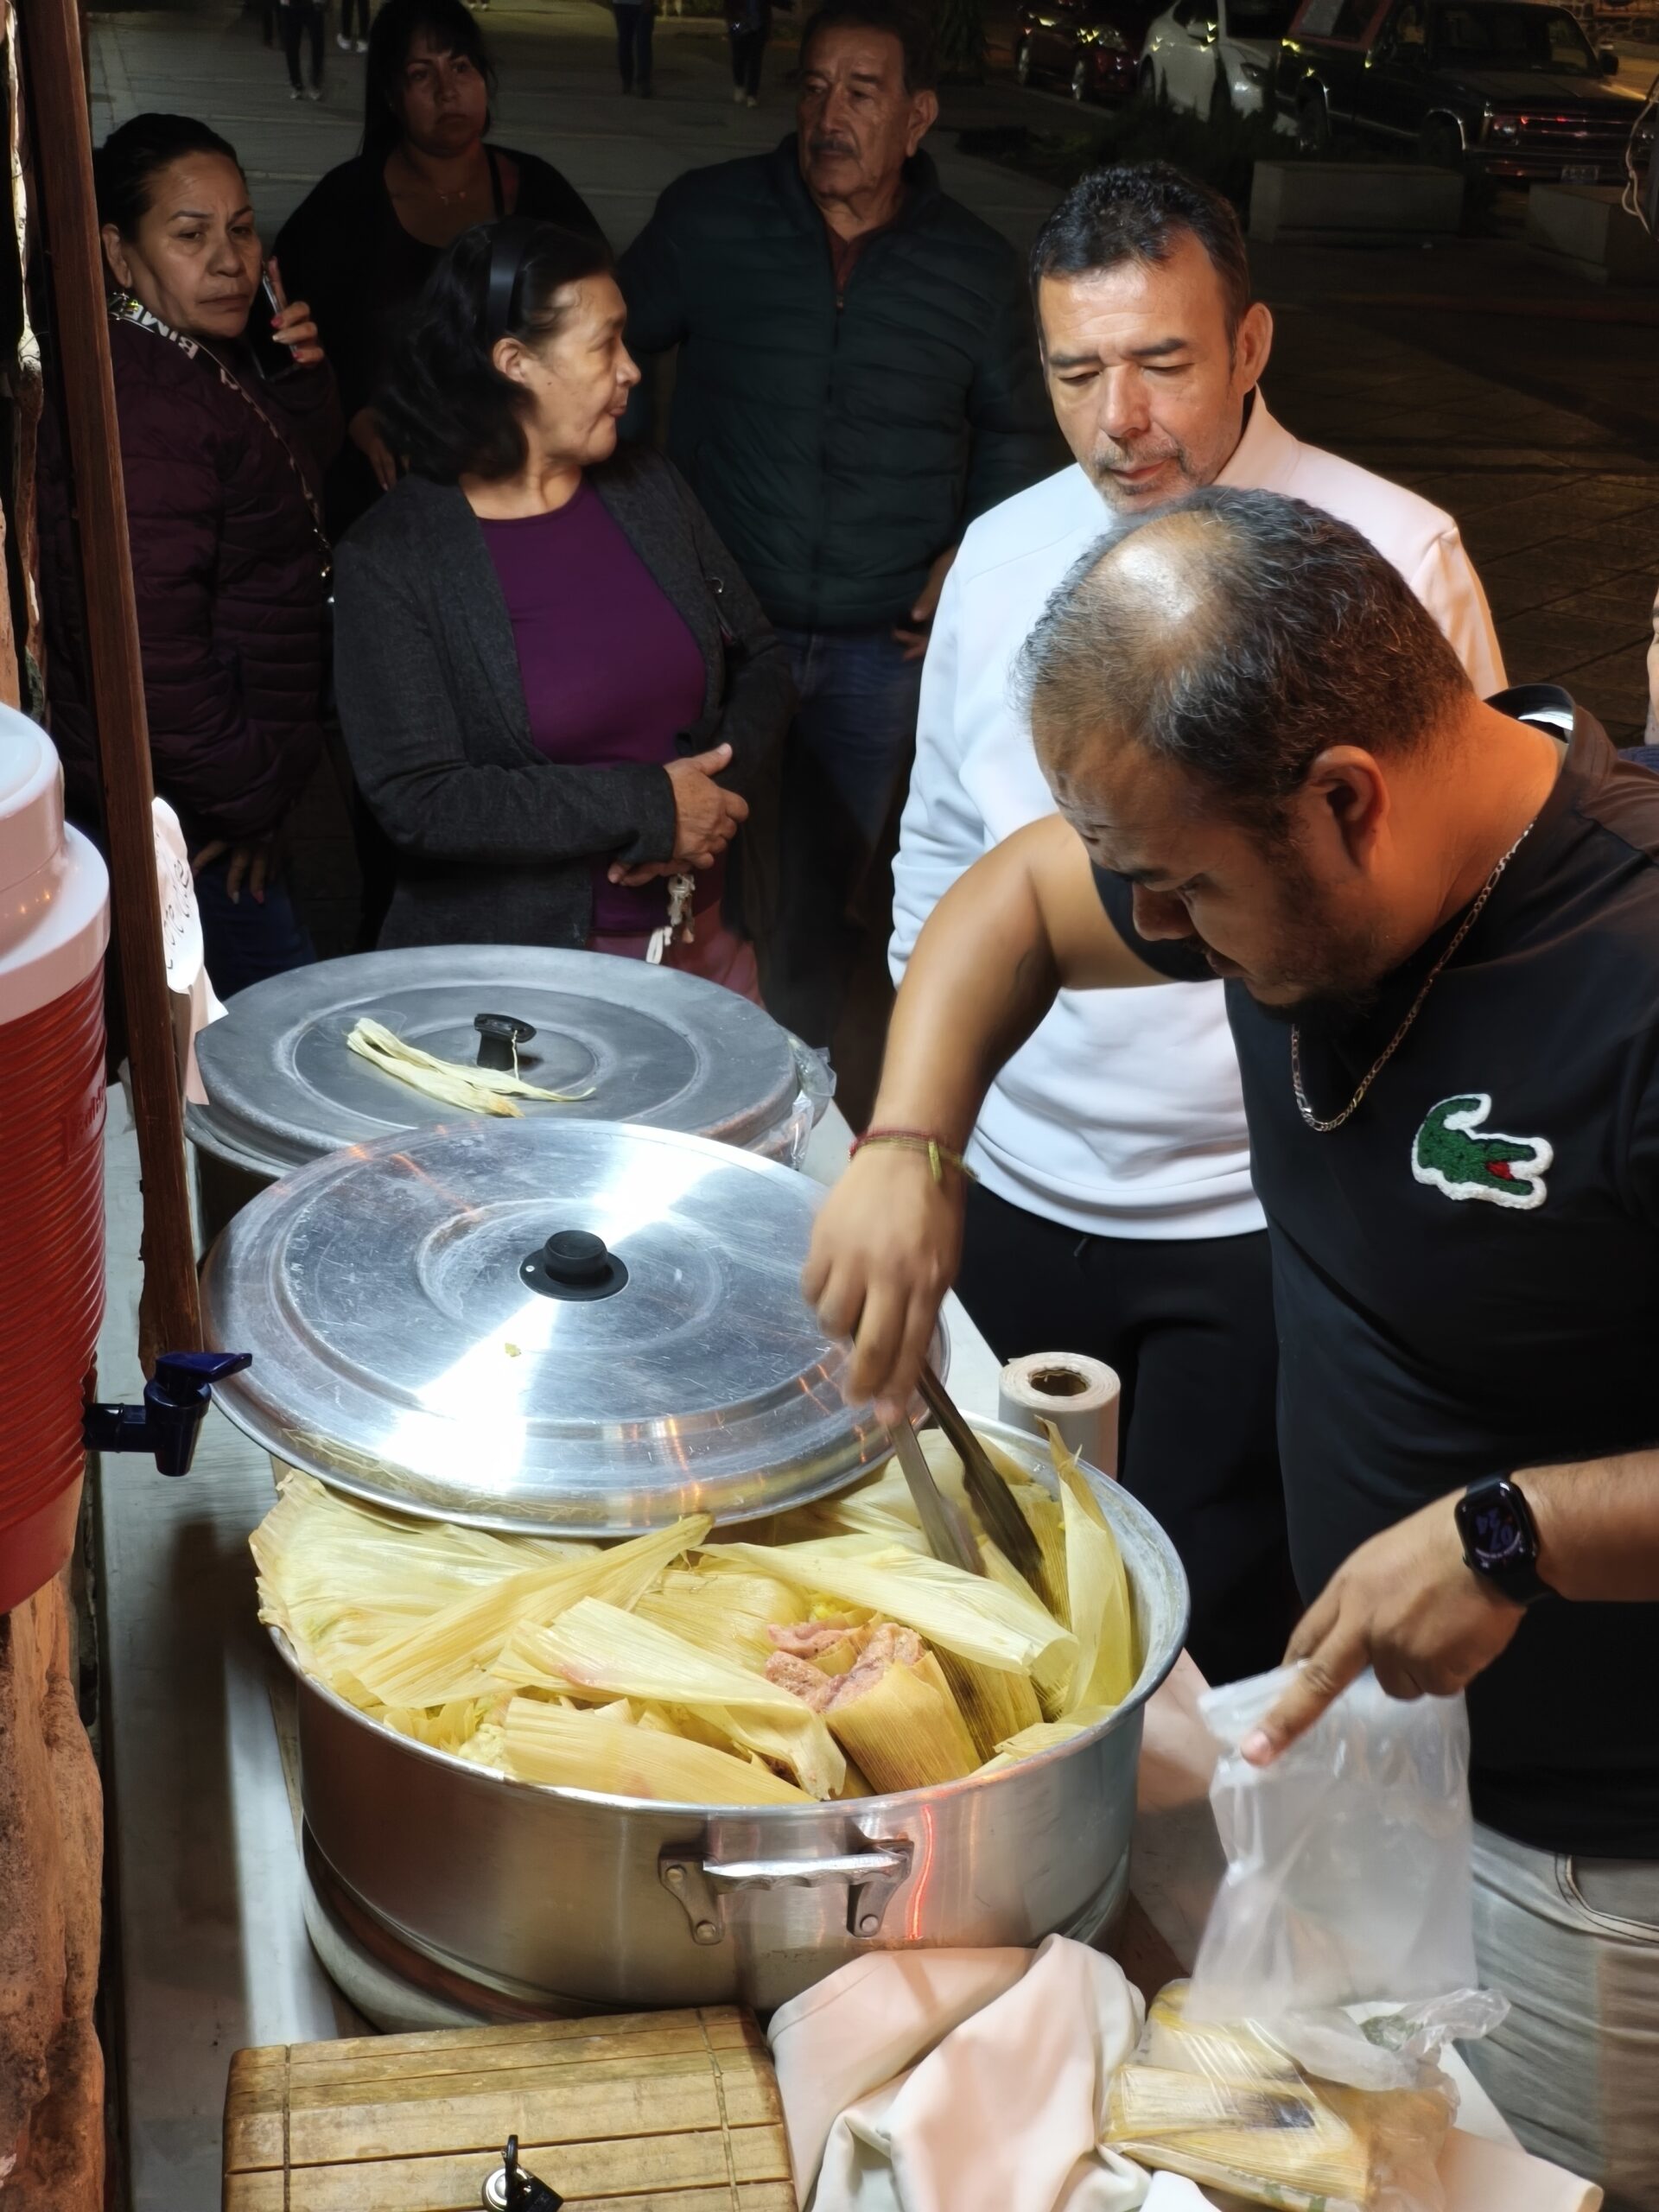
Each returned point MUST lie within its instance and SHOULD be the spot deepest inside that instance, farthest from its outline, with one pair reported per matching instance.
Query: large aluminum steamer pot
(643, 1043)
(559, 1899)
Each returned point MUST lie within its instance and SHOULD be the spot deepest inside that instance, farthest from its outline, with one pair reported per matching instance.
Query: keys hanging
(679, 923)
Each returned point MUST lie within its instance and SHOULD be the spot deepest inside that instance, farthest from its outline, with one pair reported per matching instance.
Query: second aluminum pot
(528, 1899)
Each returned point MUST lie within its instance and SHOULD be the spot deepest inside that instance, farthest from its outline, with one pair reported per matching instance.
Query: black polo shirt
(1466, 1273)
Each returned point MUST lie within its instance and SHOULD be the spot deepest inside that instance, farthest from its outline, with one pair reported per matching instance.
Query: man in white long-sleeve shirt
(1114, 1212)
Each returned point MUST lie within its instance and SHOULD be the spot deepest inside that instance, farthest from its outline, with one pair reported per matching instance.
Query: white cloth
(976, 2081)
(948, 2081)
(194, 1000)
(1122, 1115)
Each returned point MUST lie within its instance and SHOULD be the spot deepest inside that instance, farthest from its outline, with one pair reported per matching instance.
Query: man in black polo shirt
(1439, 924)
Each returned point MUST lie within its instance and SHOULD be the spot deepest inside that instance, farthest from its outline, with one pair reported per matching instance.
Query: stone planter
(1582, 227)
(1353, 203)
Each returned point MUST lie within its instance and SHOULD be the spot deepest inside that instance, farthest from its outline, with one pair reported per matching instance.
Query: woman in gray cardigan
(558, 694)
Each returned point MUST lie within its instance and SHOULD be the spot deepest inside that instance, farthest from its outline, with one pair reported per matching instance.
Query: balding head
(1235, 636)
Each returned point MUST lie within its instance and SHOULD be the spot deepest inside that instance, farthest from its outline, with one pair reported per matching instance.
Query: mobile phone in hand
(274, 359)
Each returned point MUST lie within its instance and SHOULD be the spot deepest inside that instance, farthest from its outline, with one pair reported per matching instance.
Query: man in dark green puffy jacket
(857, 379)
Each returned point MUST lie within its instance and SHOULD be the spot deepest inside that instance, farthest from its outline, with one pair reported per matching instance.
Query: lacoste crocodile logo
(1453, 1153)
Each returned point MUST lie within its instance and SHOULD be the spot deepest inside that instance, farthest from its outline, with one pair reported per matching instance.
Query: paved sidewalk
(559, 98)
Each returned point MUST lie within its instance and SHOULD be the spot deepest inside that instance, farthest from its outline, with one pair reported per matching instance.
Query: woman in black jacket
(557, 692)
(363, 242)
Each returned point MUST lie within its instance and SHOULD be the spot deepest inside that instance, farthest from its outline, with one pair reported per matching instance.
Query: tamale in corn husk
(602, 1748)
(1039, 1510)
(596, 1651)
(1044, 1737)
(1102, 1617)
(994, 1703)
(433, 1630)
(894, 1714)
(729, 1614)
(969, 1615)
(338, 1578)
(1234, 2111)
(452, 1654)
(831, 1646)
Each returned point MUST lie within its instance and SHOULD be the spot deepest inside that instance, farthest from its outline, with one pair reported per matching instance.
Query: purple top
(611, 673)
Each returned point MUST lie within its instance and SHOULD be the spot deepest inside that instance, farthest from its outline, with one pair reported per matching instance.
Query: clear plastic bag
(1299, 2067)
(1230, 2105)
(1348, 1859)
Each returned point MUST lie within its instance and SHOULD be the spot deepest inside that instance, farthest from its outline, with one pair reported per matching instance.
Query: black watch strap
(1500, 1539)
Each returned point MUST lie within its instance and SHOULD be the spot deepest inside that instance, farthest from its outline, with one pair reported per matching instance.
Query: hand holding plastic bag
(1348, 1859)
(1281, 2073)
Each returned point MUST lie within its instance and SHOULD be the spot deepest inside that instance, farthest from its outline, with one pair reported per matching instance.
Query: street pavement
(1519, 397)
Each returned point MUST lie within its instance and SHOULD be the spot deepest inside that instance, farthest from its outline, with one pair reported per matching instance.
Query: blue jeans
(845, 766)
(634, 22)
(246, 942)
(856, 718)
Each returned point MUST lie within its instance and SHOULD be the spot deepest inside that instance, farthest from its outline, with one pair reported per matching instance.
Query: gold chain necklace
(1324, 1128)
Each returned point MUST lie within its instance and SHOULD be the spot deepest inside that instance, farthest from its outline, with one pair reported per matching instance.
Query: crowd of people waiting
(396, 492)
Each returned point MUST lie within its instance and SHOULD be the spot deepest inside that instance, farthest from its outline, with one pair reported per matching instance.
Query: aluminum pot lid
(580, 1328)
(647, 1044)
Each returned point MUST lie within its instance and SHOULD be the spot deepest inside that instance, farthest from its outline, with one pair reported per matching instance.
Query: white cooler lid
(54, 890)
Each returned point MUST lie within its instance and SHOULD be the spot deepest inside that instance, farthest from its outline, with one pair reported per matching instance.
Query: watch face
(1498, 1534)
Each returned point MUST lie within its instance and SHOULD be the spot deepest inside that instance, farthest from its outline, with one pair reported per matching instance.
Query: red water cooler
(54, 929)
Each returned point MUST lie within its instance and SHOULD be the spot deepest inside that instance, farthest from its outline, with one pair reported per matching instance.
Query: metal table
(209, 1950)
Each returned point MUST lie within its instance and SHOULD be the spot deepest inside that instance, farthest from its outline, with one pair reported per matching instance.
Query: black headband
(509, 251)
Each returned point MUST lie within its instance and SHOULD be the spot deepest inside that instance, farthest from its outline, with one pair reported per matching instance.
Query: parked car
(1091, 46)
(1510, 87)
(1215, 55)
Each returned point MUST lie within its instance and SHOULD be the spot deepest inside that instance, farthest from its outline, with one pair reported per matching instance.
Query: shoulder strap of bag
(124, 308)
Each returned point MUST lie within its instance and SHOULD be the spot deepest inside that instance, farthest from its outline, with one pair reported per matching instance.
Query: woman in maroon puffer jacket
(223, 465)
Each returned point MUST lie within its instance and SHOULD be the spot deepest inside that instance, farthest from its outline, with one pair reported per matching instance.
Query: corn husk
(1277, 2135)
(590, 1748)
(729, 1614)
(337, 1577)
(446, 1727)
(1226, 2050)
(995, 1705)
(894, 1714)
(478, 1091)
(1040, 1511)
(1044, 1516)
(1224, 2103)
(1044, 1737)
(970, 1616)
(1302, 2146)
(1102, 1617)
(452, 1654)
(597, 1651)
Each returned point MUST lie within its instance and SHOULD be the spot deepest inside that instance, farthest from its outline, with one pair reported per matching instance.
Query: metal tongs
(949, 1537)
(1006, 1525)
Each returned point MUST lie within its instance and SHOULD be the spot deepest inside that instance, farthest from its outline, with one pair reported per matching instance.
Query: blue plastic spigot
(170, 1420)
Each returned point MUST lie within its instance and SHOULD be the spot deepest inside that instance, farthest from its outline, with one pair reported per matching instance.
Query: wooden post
(54, 70)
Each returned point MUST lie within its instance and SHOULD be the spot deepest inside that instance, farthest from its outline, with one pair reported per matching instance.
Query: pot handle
(871, 1874)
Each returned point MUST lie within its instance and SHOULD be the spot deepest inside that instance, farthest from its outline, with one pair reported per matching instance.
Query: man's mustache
(831, 146)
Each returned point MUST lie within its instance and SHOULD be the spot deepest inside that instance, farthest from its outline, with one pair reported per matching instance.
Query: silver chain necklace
(1324, 1128)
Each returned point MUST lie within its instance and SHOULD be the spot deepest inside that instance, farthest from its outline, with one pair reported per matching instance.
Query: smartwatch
(1500, 1539)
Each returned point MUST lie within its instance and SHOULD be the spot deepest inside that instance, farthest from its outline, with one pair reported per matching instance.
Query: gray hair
(1235, 635)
